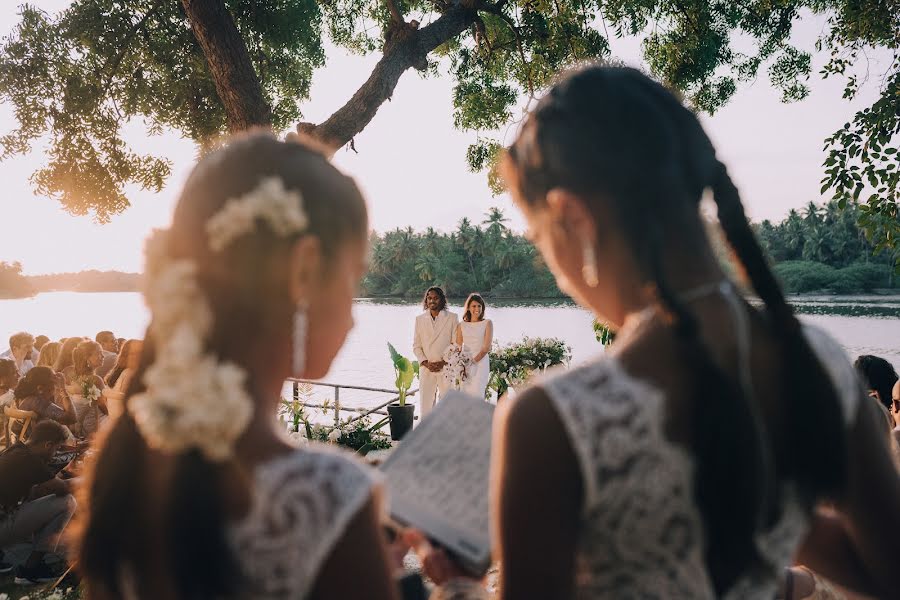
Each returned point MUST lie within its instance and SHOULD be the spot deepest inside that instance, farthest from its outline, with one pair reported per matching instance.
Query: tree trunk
(229, 64)
(410, 50)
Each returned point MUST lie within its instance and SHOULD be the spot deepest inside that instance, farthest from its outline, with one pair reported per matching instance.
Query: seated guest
(110, 347)
(118, 379)
(35, 504)
(87, 357)
(39, 391)
(9, 377)
(879, 377)
(39, 342)
(21, 350)
(49, 354)
(64, 361)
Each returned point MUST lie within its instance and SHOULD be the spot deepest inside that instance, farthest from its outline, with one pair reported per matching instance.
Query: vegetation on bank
(13, 284)
(820, 248)
(816, 249)
(486, 257)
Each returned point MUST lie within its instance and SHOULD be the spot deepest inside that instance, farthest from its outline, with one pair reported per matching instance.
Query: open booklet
(437, 479)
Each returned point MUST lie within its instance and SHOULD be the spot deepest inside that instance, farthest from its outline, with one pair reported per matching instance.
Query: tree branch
(237, 84)
(396, 17)
(410, 51)
(515, 30)
(111, 67)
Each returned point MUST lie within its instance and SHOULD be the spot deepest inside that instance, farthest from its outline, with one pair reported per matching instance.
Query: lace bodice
(302, 504)
(642, 534)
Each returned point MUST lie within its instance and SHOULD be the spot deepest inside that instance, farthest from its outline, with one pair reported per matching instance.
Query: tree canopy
(207, 67)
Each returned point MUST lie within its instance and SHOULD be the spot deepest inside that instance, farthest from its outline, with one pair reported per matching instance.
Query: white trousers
(430, 386)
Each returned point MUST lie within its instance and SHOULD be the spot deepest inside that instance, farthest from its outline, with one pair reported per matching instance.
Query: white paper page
(437, 478)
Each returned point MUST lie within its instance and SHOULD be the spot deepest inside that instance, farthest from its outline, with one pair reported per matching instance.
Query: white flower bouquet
(459, 363)
(90, 392)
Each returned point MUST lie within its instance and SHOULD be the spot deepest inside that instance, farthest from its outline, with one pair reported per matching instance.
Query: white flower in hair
(201, 405)
(271, 201)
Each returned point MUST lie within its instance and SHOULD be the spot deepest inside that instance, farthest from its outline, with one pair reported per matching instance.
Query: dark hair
(35, 378)
(48, 431)
(122, 361)
(614, 134)
(233, 281)
(878, 374)
(440, 294)
(8, 368)
(467, 316)
(65, 358)
(104, 336)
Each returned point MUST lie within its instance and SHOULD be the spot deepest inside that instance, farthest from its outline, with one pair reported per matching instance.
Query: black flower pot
(401, 419)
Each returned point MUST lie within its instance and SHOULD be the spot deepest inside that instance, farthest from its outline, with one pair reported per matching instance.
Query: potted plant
(401, 414)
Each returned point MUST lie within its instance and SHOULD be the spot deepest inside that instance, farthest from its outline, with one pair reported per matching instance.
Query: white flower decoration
(271, 201)
(334, 436)
(192, 399)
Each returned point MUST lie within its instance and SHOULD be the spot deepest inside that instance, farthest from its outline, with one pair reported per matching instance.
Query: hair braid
(818, 462)
(730, 477)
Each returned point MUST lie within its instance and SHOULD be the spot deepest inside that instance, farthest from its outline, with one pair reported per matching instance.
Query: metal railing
(338, 408)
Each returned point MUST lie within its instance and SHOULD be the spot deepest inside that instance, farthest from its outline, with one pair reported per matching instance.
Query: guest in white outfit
(435, 331)
(21, 350)
(476, 333)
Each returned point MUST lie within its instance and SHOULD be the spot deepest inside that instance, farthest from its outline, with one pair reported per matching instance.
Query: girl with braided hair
(689, 461)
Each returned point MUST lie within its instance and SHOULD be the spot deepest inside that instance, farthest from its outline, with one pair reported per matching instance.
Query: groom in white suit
(435, 331)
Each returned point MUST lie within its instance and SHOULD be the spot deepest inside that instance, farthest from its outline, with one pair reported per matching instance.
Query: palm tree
(496, 223)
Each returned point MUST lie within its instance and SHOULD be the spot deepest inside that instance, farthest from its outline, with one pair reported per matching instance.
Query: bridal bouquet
(459, 363)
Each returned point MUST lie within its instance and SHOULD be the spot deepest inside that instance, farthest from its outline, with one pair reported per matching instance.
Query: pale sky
(411, 161)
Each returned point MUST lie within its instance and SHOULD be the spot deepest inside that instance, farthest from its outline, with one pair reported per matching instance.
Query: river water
(862, 325)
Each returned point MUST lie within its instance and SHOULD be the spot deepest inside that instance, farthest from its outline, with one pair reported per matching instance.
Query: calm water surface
(862, 324)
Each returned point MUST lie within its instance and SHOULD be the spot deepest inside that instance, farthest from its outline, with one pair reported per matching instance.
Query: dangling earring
(589, 267)
(299, 340)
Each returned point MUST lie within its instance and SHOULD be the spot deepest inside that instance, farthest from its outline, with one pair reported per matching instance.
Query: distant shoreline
(885, 292)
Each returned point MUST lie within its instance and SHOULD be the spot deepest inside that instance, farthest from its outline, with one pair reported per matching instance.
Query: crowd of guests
(54, 396)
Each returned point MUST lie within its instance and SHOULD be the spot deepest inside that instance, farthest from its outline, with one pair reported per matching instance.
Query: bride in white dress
(476, 333)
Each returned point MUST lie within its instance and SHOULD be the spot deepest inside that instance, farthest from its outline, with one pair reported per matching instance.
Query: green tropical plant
(406, 372)
(604, 333)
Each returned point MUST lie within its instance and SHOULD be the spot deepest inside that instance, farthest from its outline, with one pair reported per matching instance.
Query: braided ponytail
(730, 479)
(817, 462)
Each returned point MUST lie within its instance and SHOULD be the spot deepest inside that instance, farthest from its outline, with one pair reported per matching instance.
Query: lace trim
(302, 505)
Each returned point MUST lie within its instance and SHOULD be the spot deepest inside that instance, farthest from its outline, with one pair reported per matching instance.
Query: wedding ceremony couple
(437, 330)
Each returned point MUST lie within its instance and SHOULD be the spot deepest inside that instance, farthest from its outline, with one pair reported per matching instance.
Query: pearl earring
(589, 265)
(299, 340)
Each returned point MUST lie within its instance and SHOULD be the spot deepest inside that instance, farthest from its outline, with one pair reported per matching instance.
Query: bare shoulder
(530, 420)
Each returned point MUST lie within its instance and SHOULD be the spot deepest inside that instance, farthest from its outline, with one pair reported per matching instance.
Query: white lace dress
(642, 535)
(302, 505)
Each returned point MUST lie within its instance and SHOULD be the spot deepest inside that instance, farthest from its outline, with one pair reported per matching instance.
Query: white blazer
(433, 336)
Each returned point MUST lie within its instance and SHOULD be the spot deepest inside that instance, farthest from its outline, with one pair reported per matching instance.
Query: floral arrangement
(193, 399)
(360, 435)
(90, 392)
(459, 362)
(513, 364)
